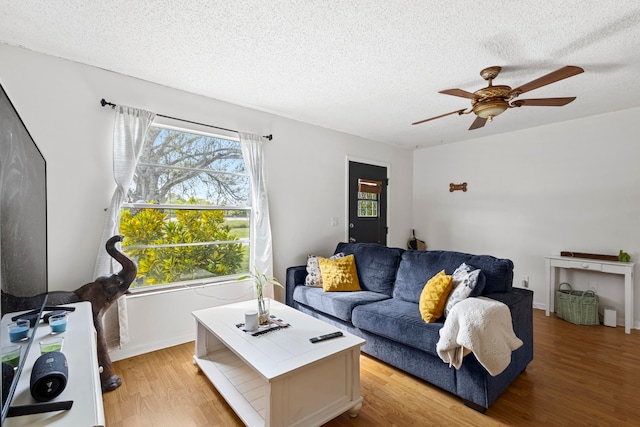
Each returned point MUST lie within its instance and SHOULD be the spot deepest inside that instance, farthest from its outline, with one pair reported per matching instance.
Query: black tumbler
(7, 379)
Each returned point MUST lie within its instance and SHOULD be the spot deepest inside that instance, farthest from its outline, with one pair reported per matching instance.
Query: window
(187, 215)
(368, 193)
(367, 205)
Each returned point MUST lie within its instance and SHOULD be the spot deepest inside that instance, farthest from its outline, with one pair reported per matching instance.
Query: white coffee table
(279, 378)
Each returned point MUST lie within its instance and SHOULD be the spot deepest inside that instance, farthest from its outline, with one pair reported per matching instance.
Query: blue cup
(58, 323)
(18, 330)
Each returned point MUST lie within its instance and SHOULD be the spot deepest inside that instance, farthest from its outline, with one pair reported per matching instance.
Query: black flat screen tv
(23, 225)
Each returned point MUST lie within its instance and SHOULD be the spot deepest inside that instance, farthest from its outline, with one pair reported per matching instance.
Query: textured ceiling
(368, 67)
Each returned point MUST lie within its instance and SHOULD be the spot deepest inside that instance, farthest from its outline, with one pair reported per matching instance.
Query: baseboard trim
(539, 306)
(131, 350)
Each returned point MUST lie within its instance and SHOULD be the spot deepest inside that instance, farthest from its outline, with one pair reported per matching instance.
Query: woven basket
(579, 307)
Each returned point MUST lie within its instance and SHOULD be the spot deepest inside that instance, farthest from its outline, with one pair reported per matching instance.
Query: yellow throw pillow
(339, 275)
(434, 296)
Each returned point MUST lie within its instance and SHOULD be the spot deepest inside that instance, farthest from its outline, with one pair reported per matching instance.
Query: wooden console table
(613, 267)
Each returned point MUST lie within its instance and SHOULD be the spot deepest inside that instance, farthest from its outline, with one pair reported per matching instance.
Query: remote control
(325, 337)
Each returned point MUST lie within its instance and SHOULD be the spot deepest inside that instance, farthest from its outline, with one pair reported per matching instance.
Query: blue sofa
(386, 314)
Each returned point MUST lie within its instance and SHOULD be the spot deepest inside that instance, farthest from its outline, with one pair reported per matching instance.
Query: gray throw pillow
(314, 278)
(464, 281)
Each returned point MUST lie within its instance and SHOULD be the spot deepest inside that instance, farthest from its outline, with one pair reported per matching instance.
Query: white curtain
(252, 153)
(129, 132)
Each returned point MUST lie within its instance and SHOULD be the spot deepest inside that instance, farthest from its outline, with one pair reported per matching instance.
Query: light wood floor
(580, 375)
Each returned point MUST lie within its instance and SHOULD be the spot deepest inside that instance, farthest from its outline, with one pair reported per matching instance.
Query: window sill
(162, 289)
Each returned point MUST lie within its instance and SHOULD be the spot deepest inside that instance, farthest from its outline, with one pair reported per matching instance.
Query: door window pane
(367, 205)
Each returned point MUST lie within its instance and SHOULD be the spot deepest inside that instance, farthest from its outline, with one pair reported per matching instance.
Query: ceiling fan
(488, 102)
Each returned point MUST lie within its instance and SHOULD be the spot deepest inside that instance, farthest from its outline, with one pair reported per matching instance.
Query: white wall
(59, 102)
(573, 186)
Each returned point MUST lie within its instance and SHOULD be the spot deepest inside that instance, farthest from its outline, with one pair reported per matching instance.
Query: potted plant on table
(260, 280)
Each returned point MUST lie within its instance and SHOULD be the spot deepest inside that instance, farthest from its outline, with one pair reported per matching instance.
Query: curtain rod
(104, 103)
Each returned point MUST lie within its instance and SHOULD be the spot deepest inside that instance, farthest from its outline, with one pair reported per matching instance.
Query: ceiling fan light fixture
(490, 109)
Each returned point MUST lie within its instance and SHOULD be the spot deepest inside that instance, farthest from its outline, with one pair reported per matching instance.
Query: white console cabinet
(83, 386)
(554, 262)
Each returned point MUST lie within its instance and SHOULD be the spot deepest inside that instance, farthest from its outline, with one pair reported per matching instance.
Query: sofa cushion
(434, 296)
(377, 265)
(417, 267)
(394, 319)
(339, 275)
(336, 304)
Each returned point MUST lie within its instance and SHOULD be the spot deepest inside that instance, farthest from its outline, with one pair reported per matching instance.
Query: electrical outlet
(524, 281)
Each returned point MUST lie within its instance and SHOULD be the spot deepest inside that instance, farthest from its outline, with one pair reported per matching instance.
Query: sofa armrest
(520, 303)
(295, 276)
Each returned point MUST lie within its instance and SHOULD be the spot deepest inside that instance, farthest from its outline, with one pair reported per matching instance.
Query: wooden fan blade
(552, 77)
(543, 102)
(437, 117)
(458, 92)
(478, 123)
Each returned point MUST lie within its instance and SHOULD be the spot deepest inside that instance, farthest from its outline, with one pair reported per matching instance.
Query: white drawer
(561, 263)
(586, 265)
(616, 269)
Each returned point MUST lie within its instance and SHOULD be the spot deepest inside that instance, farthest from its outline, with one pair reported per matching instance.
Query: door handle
(352, 239)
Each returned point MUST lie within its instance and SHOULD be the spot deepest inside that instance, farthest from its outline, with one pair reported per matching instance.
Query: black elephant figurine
(101, 293)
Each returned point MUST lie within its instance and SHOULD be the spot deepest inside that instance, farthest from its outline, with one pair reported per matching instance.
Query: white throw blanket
(480, 325)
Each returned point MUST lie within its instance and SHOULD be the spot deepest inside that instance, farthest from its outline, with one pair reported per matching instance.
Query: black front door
(367, 203)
